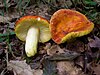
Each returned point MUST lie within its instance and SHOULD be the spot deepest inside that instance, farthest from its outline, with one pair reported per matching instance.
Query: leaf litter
(22, 68)
(94, 42)
(52, 59)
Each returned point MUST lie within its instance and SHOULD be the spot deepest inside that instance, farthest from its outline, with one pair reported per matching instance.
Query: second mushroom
(66, 24)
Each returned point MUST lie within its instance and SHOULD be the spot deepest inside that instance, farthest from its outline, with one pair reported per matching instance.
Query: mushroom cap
(23, 24)
(66, 24)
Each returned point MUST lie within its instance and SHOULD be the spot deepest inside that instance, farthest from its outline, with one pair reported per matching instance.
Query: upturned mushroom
(32, 29)
(66, 24)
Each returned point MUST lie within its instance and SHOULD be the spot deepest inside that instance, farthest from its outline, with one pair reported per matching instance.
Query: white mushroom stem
(32, 41)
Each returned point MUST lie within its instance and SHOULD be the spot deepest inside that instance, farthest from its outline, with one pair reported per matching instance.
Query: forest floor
(80, 57)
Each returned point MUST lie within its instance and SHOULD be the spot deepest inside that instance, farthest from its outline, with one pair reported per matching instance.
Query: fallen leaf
(57, 53)
(4, 19)
(48, 46)
(11, 25)
(79, 61)
(94, 42)
(10, 16)
(22, 68)
(49, 67)
(37, 72)
(69, 55)
(77, 46)
(97, 69)
(54, 49)
(68, 68)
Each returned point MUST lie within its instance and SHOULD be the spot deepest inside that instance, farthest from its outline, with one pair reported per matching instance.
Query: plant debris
(22, 68)
(94, 42)
(79, 57)
(49, 67)
(64, 56)
(68, 68)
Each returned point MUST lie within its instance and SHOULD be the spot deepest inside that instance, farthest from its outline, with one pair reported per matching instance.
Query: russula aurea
(66, 24)
(32, 29)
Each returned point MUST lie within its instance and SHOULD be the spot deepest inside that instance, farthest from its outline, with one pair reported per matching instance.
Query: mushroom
(32, 29)
(66, 24)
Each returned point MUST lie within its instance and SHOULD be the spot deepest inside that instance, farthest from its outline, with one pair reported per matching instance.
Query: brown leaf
(77, 46)
(68, 68)
(4, 19)
(69, 55)
(54, 49)
(94, 42)
(22, 68)
(37, 72)
(49, 67)
(97, 69)
(57, 53)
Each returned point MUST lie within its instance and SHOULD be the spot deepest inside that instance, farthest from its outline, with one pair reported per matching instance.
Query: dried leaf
(56, 53)
(77, 46)
(49, 67)
(97, 70)
(55, 48)
(69, 55)
(22, 68)
(37, 72)
(68, 68)
(94, 42)
(10, 15)
(4, 19)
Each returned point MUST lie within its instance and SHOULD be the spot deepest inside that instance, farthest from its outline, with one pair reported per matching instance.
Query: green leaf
(2, 39)
(6, 34)
(90, 3)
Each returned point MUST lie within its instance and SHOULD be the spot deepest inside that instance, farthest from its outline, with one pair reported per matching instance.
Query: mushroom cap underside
(23, 24)
(66, 24)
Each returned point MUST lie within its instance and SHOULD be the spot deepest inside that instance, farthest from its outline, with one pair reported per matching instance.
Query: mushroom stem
(32, 41)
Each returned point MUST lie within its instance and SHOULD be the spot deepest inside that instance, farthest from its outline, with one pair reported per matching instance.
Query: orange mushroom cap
(24, 23)
(66, 24)
(30, 17)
